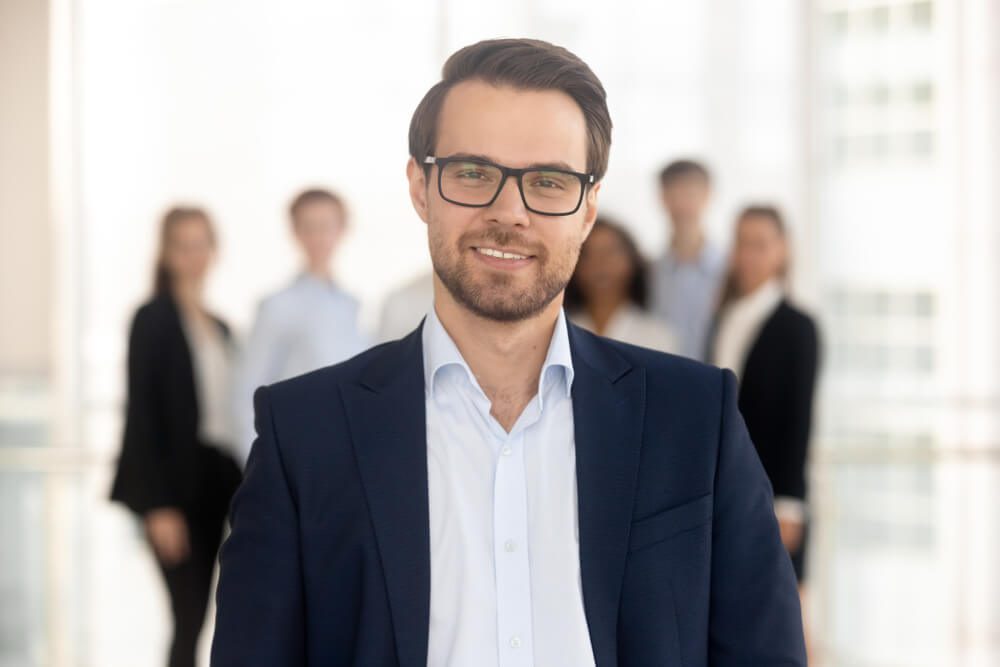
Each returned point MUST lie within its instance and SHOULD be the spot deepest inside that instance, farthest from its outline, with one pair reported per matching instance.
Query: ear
(417, 177)
(590, 209)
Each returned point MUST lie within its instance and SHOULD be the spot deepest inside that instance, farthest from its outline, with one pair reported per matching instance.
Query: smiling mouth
(501, 254)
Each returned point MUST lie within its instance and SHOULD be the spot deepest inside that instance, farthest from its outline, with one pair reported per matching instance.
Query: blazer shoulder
(795, 321)
(153, 317)
(794, 313)
(667, 372)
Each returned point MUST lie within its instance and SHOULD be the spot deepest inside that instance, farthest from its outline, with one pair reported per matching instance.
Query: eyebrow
(557, 165)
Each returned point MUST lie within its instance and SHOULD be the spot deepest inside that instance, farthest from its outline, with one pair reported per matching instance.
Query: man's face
(319, 227)
(685, 199)
(514, 128)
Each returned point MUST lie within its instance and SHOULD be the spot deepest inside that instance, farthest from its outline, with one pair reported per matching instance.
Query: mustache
(502, 238)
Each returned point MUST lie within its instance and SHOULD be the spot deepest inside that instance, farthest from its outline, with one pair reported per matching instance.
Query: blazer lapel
(608, 412)
(388, 429)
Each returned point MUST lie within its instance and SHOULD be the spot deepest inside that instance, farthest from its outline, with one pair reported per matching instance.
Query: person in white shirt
(309, 324)
(177, 470)
(773, 347)
(405, 307)
(608, 291)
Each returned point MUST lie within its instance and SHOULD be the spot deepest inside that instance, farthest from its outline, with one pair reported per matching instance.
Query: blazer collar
(388, 430)
(609, 404)
(386, 412)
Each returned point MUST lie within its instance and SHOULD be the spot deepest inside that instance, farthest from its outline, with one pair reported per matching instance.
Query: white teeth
(490, 252)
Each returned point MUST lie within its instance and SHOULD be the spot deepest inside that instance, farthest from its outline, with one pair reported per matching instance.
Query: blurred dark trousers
(189, 584)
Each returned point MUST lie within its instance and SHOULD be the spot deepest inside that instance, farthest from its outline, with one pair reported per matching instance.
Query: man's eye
(548, 182)
(471, 174)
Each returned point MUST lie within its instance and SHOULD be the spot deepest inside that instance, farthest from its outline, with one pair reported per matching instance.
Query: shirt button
(506, 451)
(510, 546)
(515, 642)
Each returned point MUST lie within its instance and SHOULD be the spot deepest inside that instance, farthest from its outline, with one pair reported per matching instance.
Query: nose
(508, 207)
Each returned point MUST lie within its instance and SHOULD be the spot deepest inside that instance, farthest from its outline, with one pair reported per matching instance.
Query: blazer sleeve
(141, 478)
(260, 611)
(754, 608)
(803, 359)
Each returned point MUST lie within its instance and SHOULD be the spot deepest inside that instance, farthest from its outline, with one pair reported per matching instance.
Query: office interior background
(875, 124)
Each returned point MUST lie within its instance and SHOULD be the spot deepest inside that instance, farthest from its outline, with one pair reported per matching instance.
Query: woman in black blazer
(774, 349)
(175, 470)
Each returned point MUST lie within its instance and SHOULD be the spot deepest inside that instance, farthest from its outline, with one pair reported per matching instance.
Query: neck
(188, 295)
(505, 357)
(756, 287)
(601, 311)
(319, 270)
(687, 242)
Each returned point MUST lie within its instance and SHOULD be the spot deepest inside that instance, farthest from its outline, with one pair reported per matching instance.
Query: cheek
(201, 259)
(620, 267)
(448, 220)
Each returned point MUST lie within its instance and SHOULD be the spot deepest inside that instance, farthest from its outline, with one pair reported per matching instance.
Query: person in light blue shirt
(501, 488)
(687, 278)
(309, 324)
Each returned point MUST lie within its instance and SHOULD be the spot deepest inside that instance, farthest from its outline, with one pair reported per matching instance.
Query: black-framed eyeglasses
(477, 183)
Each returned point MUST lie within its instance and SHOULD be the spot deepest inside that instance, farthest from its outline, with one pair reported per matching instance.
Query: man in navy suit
(501, 487)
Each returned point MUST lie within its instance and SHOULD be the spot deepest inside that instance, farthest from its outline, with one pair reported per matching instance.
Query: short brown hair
(529, 64)
(679, 169)
(313, 196)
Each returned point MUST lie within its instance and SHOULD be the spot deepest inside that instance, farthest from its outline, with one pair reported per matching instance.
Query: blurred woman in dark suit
(773, 348)
(176, 470)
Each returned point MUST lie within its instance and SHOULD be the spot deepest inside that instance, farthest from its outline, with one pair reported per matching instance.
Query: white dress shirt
(310, 324)
(739, 327)
(740, 323)
(505, 565)
(212, 365)
(630, 325)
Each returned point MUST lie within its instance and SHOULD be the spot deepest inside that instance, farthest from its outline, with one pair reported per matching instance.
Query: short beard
(496, 300)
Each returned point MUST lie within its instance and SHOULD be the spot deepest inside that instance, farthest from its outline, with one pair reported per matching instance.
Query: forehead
(685, 181)
(318, 208)
(757, 226)
(512, 126)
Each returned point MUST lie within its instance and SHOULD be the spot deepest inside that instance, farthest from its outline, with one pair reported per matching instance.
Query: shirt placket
(510, 553)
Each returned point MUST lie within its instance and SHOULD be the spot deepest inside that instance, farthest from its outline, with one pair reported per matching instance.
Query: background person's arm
(261, 359)
(260, 616)
(141, 481)
(754, 610)
(790, 478)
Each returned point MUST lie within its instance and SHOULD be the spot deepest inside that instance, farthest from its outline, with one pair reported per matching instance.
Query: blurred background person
(405, 307)
(309, 324)
(608, 292)
(177, 470)
(773, 348)
(685, 279)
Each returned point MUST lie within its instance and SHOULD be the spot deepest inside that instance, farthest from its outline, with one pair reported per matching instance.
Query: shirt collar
(308, 279)
(440, 351)
(762, 300)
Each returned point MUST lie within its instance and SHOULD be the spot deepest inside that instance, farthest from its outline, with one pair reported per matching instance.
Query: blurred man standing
(309, 324)
(686, 279)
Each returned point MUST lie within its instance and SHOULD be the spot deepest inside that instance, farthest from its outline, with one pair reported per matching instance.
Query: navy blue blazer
(328, 562)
